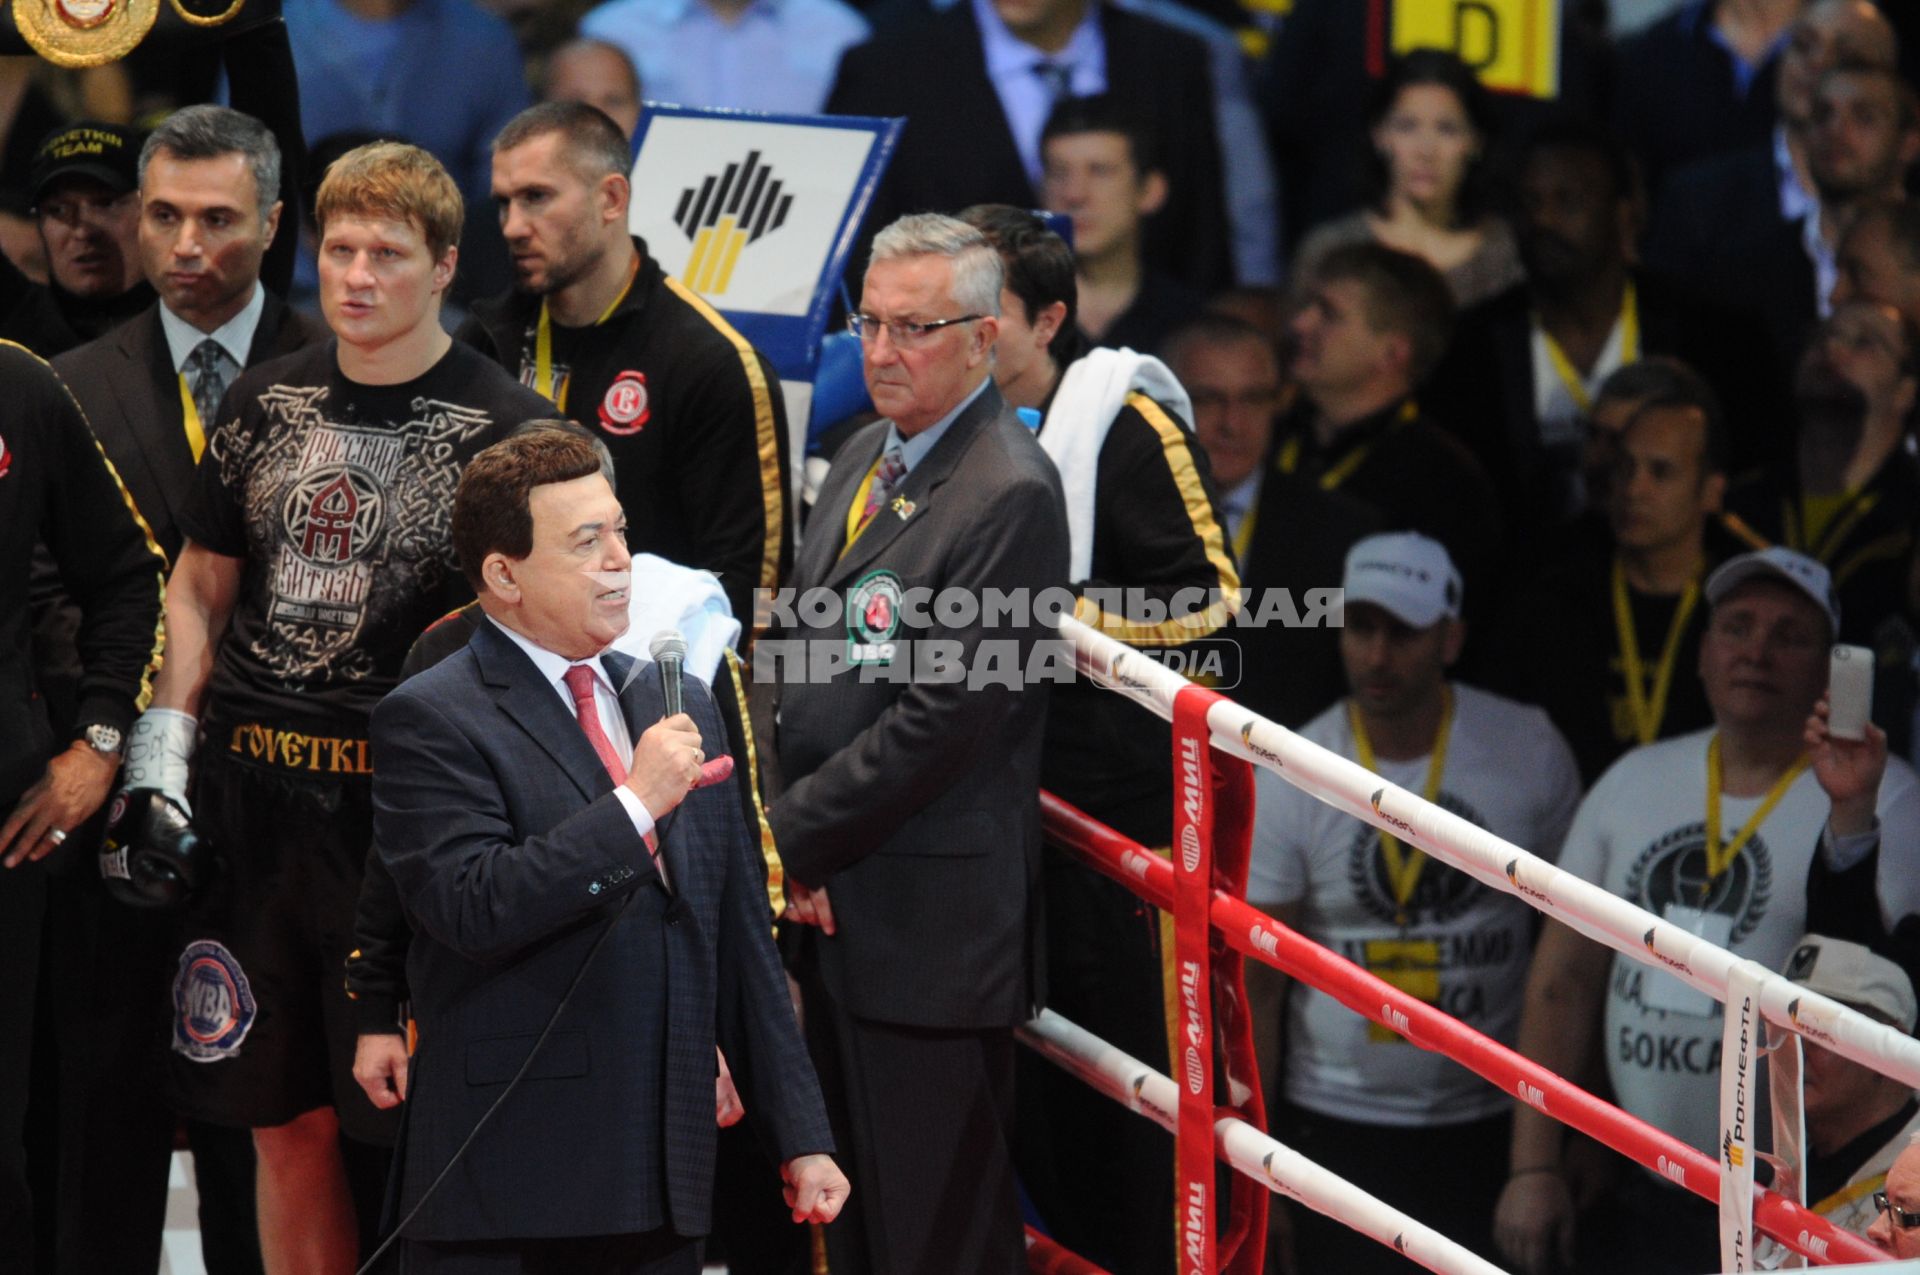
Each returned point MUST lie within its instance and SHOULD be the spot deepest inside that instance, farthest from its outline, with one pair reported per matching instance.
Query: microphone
(669, 651)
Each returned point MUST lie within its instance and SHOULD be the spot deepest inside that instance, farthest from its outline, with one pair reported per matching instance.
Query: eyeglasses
(905, 334)
(1901, 1218)
(1261, 400)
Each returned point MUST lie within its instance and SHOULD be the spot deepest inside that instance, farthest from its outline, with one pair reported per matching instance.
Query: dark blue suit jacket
(512, 857)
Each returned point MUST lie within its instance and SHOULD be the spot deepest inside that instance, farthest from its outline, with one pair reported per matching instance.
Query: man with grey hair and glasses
(910, 823)
(209, 181)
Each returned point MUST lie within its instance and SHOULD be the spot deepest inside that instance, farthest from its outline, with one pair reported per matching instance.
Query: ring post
(1193, 1054)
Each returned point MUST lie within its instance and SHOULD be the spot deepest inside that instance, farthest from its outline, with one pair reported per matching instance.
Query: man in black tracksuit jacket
(691, 411)
(56, 487)
(1100, 1176)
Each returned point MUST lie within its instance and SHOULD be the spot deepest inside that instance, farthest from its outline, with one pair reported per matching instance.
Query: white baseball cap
(1853, 976)
(1796, 569)
(1406, 574)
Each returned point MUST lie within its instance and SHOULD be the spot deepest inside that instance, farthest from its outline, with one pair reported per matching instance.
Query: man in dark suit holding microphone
(910, 827)
(531, 818)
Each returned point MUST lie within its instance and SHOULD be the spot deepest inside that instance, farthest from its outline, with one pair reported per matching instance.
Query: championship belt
(82, 33)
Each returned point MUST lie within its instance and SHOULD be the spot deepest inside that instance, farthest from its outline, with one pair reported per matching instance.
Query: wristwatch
(103, 739)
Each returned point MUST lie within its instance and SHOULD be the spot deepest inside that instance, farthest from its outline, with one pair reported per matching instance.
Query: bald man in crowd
(599, 74)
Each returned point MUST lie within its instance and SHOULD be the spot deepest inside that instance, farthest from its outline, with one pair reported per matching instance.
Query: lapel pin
(903, 507)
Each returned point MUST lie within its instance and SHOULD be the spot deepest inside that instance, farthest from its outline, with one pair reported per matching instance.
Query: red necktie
(579, 680)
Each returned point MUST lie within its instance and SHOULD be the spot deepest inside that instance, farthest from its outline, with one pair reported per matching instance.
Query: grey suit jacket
(916, 802)
(128, 388)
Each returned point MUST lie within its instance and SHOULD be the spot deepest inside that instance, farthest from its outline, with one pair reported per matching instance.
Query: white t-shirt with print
(1641, 833)
(1464, 946)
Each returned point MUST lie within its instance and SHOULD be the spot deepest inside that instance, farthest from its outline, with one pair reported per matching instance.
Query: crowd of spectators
(1621, 363)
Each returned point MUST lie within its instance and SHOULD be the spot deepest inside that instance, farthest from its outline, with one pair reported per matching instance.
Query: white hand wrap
(160, 754)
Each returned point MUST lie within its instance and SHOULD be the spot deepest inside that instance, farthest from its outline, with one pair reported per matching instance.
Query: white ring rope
(1587, 908)
(1285, 1172)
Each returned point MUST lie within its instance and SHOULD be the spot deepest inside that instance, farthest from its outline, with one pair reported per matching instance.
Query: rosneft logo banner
(728, 211)
(747, 210)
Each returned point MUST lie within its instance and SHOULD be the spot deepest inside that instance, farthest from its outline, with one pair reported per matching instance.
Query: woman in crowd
(1429, 122)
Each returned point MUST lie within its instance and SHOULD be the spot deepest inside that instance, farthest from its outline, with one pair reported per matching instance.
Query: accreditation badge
(1412, 966)
(82, 33)
(873, 618)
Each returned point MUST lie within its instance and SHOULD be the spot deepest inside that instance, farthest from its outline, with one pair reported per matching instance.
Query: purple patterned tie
(893, 467)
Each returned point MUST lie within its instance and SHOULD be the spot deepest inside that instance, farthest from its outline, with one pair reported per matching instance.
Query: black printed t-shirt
(339, 496)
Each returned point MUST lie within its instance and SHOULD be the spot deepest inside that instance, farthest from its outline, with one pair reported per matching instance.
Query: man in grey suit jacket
(910, 827)
(209, 179)
(586, 924)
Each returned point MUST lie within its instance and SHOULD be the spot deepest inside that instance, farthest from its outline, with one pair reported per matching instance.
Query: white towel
(1091, 394)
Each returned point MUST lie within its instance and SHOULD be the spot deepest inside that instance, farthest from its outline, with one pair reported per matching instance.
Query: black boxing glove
(151, 857)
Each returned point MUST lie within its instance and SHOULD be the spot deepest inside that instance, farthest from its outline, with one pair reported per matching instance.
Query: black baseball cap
(106, 153)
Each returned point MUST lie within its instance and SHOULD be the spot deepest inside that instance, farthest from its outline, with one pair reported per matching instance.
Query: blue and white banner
(758, 213)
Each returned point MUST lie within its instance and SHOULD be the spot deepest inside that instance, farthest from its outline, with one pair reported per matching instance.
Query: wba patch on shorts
(213, 1006)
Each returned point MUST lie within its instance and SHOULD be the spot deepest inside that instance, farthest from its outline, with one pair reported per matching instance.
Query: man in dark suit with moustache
(589, 914)
(910, 826)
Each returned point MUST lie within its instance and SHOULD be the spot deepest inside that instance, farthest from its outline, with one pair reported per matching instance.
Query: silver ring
(56, 836)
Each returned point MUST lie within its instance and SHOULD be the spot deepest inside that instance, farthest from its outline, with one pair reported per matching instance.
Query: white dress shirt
(774, 55)
(1237, 501)
(606, 701)
(1825, 261)
(1554, 406)
(234, 337)
(1024, 96)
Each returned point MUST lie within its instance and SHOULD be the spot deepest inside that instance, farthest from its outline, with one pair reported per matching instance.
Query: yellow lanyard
(1629, 349)
(1800, 529)
(1289, 458)
(543, 341)
(1848, 1194)
(1647, 710)
(1719, 857)
(1403, 868)
(1243, 538)
(196, 432)
(857, 519)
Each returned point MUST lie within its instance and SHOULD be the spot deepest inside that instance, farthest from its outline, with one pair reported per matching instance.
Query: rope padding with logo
(1579, 904)
(1255, 934)
(1251, 1153)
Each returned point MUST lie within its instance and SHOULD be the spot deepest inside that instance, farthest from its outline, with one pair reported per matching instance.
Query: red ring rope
(1253, 933)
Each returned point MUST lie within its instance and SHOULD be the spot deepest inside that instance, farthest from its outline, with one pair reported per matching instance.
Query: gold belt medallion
(82, 33)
